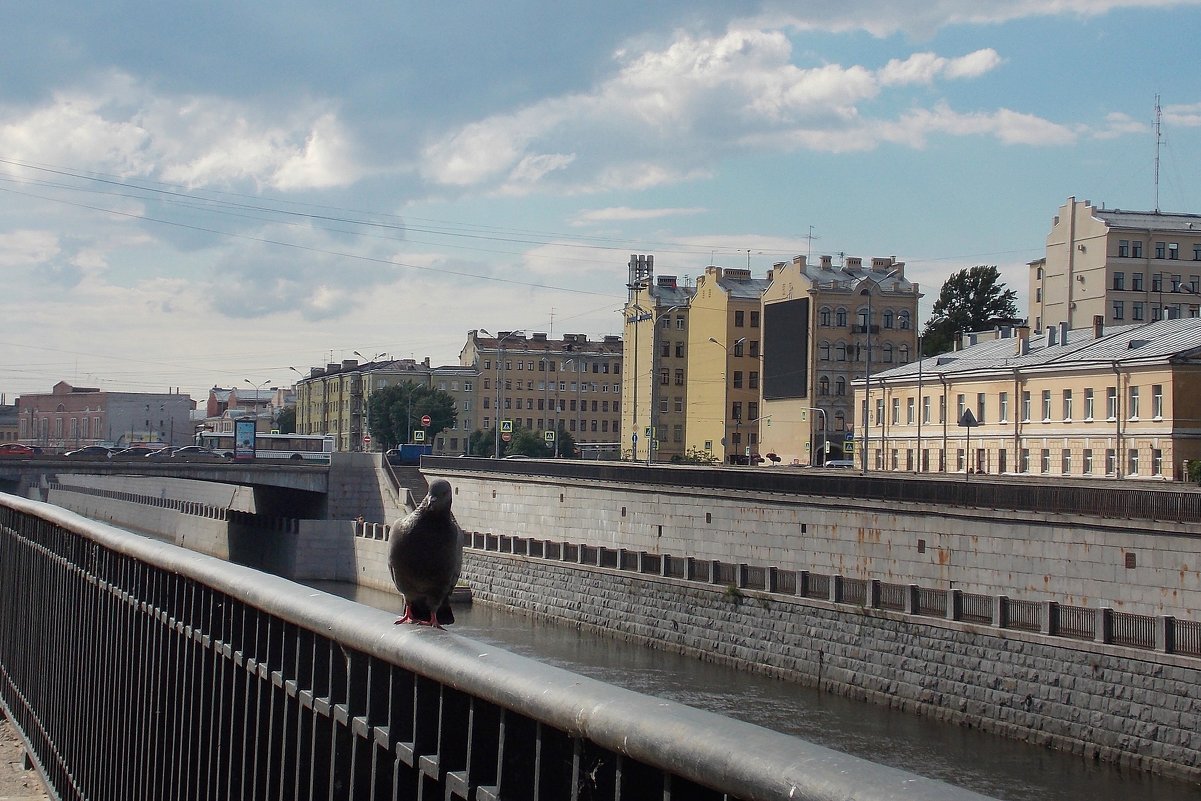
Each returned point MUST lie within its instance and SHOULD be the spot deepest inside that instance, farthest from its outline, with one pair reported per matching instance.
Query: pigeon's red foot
(433, 621)
(407, 617)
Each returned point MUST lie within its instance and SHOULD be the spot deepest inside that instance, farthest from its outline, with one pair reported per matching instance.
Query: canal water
(982, 762)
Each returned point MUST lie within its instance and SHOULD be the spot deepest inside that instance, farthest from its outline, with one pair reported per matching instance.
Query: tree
(286, 421)
(397, 410)
(970, 300)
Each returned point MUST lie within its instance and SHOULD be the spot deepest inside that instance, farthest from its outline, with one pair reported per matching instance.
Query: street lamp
(867, 384)
(640, 316)
(724, 393)
(365, 396)
(822, 431)
(500, 366)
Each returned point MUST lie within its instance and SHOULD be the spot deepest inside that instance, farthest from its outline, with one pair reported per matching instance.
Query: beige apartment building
(827, 325)
(724, 353)
(1124, 266)
(542, 384)
(654, 370)
(1105, 401)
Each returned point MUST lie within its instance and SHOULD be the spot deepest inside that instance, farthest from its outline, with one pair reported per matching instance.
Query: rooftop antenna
(551, 334)
(809, 250)
(1158, 142)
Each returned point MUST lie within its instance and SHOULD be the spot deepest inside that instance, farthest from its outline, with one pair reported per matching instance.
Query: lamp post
(365, 395)
(822, 431)
(867, 384)
(500, 366)
(724, 393)
(640, 315)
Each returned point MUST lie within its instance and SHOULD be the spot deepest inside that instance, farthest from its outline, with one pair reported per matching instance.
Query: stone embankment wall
(1130, 566)
(1134, 708)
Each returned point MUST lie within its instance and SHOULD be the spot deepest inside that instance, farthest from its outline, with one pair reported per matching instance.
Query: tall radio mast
(1158, 141)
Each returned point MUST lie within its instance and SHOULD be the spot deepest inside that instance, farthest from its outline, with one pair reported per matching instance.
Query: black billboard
(786, 349)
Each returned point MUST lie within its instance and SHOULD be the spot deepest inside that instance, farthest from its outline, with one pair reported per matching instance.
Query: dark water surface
(969, 758)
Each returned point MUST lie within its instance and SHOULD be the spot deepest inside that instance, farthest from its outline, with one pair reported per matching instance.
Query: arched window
(824, 351)
(840, 386)
(841, 351)
(823, 386)
(840, 318)
(904, 354)
(840, 421)
(864, 318)
(824, 316)
(888, 318)
(888, 353)
(903, 321)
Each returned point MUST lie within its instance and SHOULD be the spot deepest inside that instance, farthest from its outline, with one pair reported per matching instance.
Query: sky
(229, 193)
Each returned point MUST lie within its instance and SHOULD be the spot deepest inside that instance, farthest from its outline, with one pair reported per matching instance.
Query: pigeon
(425, 555)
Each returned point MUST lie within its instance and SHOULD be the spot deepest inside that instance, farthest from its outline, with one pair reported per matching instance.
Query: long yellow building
(1118, 402)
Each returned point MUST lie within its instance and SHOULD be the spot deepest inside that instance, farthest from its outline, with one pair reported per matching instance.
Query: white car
(845, 464)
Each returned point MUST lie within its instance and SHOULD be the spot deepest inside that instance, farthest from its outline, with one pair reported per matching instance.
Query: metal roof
(1147, 342)
(1151, 220)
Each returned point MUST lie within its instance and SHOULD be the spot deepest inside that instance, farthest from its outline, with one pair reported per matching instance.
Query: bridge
(157, 672)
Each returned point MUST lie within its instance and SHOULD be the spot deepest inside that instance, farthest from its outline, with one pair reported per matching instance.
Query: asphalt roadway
(17, 783)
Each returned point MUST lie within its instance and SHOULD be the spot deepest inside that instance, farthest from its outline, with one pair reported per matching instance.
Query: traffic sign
(366, 439)
(506, 426)
(425, 421)
(549, 436)
(419, 435)
(506, 436)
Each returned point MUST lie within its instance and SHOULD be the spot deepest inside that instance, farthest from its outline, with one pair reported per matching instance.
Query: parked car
(136, 452)
(16, 450)
(161, 453)
(845, 464)
(197, 453)
(89, 452)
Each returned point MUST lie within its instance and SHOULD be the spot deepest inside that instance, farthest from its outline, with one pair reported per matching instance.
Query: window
(896, 412)
(959, 462)
(823, 386)
(823, 351)
(665, 349)
(1046, 406)
(824, 316)
(1111, 403)
(738, 347)
(1111, 461)
(679, 350)
(1157, 401)
(840, 386)
(888, 317)
(752, 411)
(736, 410)
(841, 318)
(1173, 250)
(1003, 407)
(1119, 310)
(888, 353)
(1136, 282)
(1123, 248)
(960, 406)
(1025, 407)
(739, 319)
(942, 408)
(1132, 462)
(1088, 405)
(879, 411)
(754, 319)
(1157, 282)
(753, 379)
(679, 403)
(754, 348)
(904, 350)
(679, 378)
(979, 407)
(1197, 252)
(925, 408)
(1136, 312)
(1161, 250)
(1067, 405)
(1024, 461)
(1044, 464)
(841, 352)
(680, 323)
(909, 411)
(664, 376)
(1156, 462)
(737, 379)
(1119, 280)
(1133, 402)
(1038, 294)
(1136, 248)
(1087, 467)
(903, 321)
(1065, 461)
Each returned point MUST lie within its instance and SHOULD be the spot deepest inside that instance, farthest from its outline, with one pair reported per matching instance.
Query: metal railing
(1167, 502)
(135, 669)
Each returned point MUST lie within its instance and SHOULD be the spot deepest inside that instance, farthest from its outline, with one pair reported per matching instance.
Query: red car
(16, 450)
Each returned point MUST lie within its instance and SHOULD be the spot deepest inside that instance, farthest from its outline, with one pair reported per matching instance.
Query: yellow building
(654, 370)
(542, 384)
(1117, 402)
(1124, 266)
(827, 325)
(724, 355)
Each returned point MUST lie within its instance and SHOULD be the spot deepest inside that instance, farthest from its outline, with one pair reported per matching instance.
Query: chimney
(667, 281)
(350, 364)
(1098, 326)
(1049, 335)
(1063, 333)
(799, 261)
(826, 263)
(1022, 346)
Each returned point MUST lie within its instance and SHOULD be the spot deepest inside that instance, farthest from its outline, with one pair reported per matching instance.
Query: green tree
(397, 410)
(481, 443)
(286, 421)
(970, 300)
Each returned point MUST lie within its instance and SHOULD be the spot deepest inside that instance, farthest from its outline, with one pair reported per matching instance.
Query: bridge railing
(135, 669)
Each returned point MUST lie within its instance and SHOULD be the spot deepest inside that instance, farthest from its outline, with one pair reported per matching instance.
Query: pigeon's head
(440, 495)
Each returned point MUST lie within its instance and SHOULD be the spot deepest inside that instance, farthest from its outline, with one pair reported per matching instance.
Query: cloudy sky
(197, 194)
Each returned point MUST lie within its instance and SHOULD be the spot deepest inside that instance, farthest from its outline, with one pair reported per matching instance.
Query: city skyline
(199, 199)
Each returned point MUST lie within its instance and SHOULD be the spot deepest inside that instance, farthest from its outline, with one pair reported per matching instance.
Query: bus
(297, 447)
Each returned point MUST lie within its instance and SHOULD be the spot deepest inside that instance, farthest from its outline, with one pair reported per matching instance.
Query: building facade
(1114, 402)
(654, 371)
(541, 384)
(827, 325)
(725, 351)
(460, 383)
(1124, 266)
(71, 417)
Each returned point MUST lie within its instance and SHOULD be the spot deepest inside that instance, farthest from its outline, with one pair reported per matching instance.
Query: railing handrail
(745, 760)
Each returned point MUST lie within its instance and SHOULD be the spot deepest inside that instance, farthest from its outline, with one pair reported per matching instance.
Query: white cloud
(26, 248)
(625, 213)
(924, 68)
(1183, 115)
(121, 127)
(1119, 123)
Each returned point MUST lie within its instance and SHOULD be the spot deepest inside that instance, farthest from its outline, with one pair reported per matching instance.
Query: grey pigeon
(425, 555)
